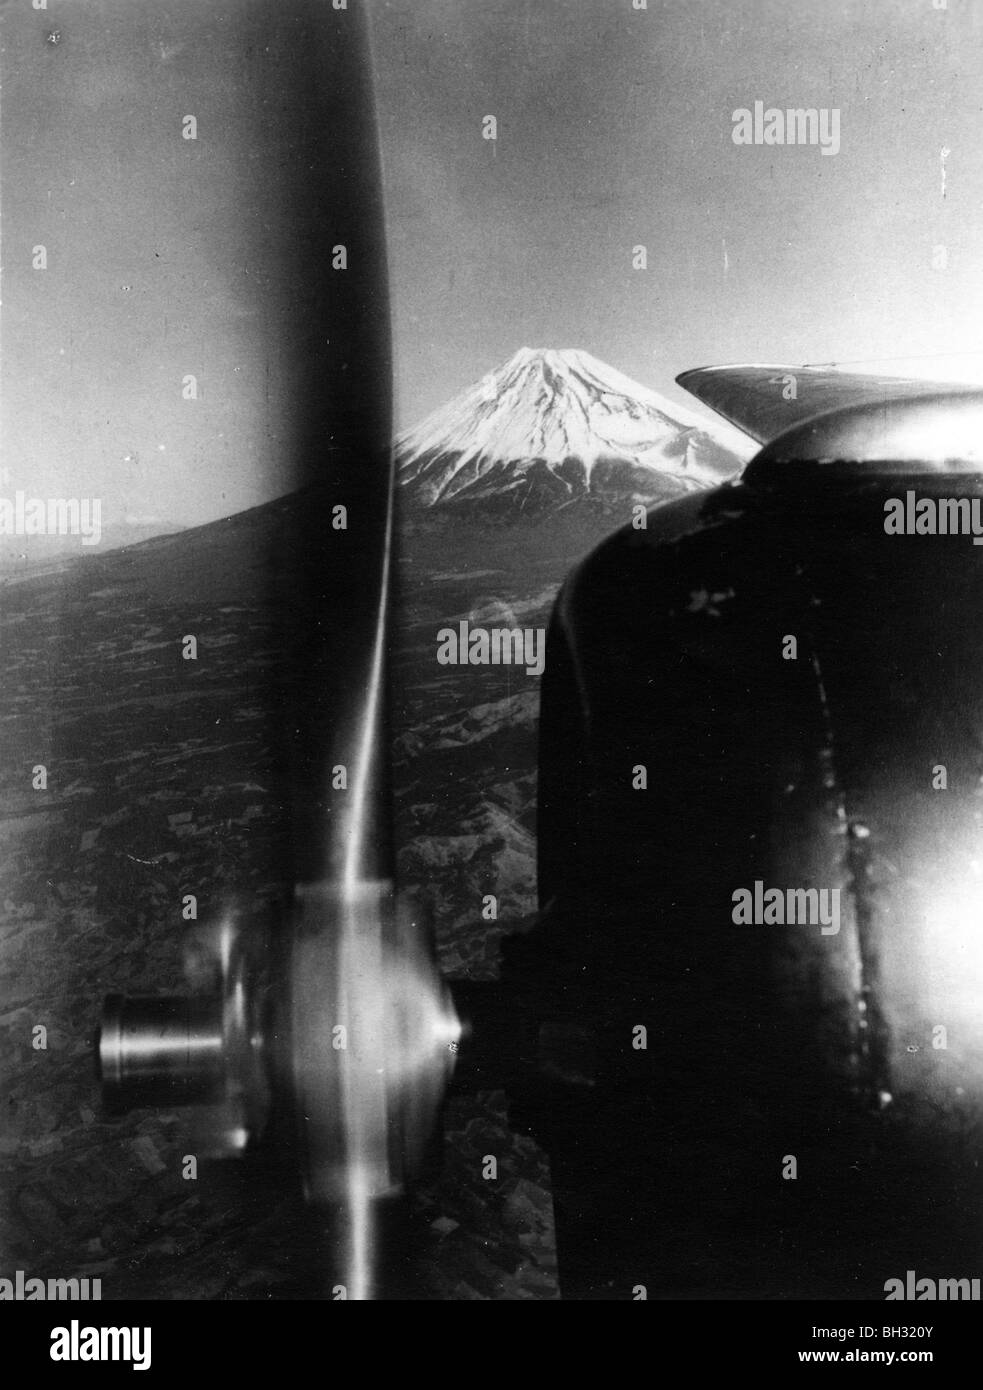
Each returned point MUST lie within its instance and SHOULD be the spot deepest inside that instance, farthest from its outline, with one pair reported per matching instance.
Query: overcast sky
(614, 129)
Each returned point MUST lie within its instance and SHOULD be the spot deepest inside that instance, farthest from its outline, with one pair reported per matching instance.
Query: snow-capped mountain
(553, 427)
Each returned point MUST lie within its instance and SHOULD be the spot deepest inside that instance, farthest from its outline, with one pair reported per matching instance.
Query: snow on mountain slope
(553, 427)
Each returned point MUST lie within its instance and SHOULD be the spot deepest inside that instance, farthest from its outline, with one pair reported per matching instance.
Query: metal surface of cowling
(689, 750)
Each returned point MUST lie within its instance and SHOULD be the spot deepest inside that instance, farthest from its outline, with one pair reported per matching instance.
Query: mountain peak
(560, 360)
(557, 354)
(552, 426)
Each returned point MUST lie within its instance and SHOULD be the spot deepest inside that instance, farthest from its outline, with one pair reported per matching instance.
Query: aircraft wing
(754, 397)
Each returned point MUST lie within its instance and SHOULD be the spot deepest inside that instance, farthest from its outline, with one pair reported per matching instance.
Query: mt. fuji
(550, 428)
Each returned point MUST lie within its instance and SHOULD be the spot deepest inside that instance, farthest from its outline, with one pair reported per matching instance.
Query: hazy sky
(175, 250)
(614, 129)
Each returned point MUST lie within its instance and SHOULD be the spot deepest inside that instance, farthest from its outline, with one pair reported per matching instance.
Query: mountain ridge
(551, 427)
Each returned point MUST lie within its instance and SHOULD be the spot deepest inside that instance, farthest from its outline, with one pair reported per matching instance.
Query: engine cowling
(765, 692)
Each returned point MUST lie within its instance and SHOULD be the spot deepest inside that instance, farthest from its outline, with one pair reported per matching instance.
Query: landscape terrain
(163, 774)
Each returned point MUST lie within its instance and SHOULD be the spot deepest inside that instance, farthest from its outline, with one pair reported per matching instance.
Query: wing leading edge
(765, 401)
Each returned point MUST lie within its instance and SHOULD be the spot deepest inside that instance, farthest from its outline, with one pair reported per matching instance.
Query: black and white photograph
(491, 721)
